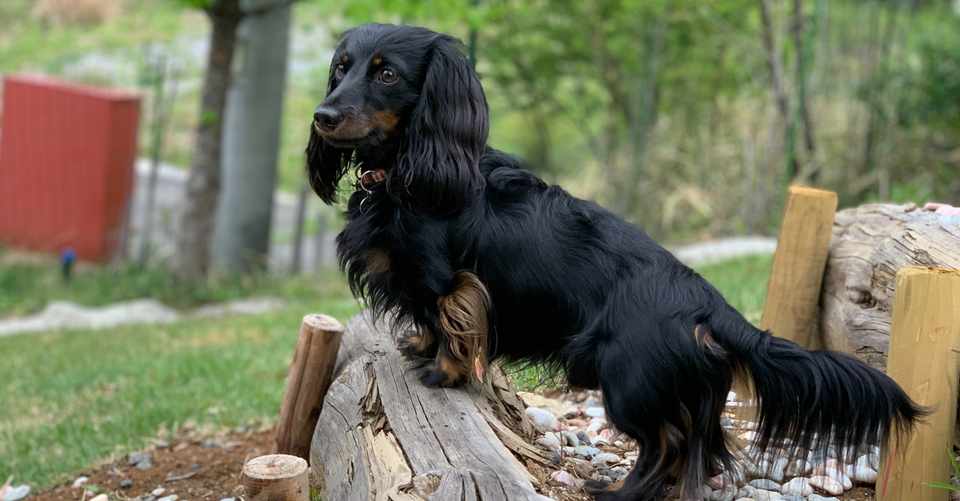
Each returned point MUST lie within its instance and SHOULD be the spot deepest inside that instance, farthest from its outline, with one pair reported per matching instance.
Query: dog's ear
(325, 166)
(438, 166)
(325, 163)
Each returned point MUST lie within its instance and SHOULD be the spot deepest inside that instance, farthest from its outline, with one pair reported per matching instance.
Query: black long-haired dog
(489, 261)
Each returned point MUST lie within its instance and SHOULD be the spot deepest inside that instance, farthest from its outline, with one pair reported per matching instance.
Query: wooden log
(924, 360)
(309, 377)
(870, 244)
(382, 435)
(793, 292)
(276, 477)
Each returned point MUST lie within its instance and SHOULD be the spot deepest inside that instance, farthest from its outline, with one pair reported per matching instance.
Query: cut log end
(323, 323)
(276, 477)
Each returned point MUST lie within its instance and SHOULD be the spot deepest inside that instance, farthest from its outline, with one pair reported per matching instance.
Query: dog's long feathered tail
(846, 403)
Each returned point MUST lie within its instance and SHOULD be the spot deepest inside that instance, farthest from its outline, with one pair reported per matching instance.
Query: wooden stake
(277, 477)
(310, 375)
(924, 361)
(793, 292)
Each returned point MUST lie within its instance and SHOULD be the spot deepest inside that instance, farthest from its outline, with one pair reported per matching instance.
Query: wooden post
(277, 477)
(793, 292)
(309, 378)
(924, 361)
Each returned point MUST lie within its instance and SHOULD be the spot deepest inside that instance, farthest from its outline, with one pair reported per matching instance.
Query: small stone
(726, 494)
(618, 472)
(549, 441)
(765, 483)
(862, 471)
(605, 458)
(595, 412)
(799, 486)
(583, 437)
(16, 492)
(585, 451)
(817, 497)
(172, 497)
(564, 478)
(158, 491)
(543, 419)
(832, 470)
(582, 468)
(210, 444)
(126, 483)
(826, 484)
(80, 481)
(873, 460)
(100, 497)
(570, 438)
(778, 469)
(596, 424)
(555, 457)
(765, 495)
(136, 458)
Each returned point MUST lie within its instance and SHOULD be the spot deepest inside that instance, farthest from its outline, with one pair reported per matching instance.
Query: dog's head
(406, 98)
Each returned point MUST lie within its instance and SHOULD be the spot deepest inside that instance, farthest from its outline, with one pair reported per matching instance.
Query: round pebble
(543, 419)
(565, 478)
(799, 486)
(826, 484)
(605, 458)
(765, 483)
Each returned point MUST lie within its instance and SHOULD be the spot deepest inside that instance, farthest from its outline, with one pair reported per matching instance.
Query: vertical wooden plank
(924, 361)
(793, 292)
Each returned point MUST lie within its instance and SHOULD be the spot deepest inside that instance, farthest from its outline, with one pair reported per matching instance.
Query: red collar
(369, 179)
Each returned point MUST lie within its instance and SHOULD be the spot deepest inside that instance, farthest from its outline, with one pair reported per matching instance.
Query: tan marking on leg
(451, 368)
(420, 341)
(464, 317)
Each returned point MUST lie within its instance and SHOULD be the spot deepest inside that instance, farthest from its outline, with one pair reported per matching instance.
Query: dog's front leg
(462, 326)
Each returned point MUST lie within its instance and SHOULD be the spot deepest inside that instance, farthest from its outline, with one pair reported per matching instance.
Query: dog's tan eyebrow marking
(344, 58)
(377, 59)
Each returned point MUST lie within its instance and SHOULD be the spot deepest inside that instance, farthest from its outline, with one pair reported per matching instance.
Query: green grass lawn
(71, 399)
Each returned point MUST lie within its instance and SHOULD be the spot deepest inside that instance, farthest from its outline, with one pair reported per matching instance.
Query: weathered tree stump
(870, 244)
(383, 435)
(277, 477)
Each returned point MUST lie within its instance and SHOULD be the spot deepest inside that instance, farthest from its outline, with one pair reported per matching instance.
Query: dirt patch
(192, 467)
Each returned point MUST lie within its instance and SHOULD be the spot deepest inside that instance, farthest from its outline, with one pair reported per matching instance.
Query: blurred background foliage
(664, 110)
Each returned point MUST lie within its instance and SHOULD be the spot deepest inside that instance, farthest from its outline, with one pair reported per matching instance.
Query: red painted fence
(66, 165)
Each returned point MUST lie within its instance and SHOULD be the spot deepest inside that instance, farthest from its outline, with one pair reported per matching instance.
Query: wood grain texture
(276, 477)
(925, 361)
(382, 435)
(870, 244)
(793, 292)
(309, 377)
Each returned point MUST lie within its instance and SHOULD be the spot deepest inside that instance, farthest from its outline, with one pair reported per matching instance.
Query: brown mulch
(194, 468)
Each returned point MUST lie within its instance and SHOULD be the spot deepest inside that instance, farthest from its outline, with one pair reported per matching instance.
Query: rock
(826, 484)
(158, 491)
(582, 468)
(873, 460)
(832, 469)
(543, 419)
(564, 478)
(585, 451)
(228, 499)
(100, 497)
(569, 438)
(766, 484)
(618, 472)
(726, 494)
(596, 424)
(595, 412)
(765, 495)
(172, 497)
(862, 471)
(817, 497)
(15, 492)
(80, 481)
(549, 441)
(141, 460)
(799, 486)
(605, 458)
(583, 437)
(778, 469)
(554, 406)
(126, 483)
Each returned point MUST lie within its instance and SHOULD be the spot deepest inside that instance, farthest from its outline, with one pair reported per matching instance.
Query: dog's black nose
(327, 118)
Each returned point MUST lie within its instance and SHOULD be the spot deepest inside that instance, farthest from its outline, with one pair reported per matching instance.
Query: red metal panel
(66, 165)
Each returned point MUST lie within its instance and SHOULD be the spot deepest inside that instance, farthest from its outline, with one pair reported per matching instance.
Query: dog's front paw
(435, 377)
(417, 345)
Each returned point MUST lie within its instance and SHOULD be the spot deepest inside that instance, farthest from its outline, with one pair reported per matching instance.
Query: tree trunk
(383, 435)
(251, 142)
(775, 67)
(811, 170)
(203, 184)
(870, 244)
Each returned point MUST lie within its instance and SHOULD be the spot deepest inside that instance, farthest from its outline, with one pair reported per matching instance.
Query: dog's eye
(388, 76)
(338, 71)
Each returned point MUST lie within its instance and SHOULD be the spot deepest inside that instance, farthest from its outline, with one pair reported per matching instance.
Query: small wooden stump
(311, 373)
(924, 360)
(277, 477)
(793, 293)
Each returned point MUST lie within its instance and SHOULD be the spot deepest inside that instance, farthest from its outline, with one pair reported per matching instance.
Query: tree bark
(775, 67)
(251, 141)
(870, 244)
(811, 169)
(192, 259)
(383, 435)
